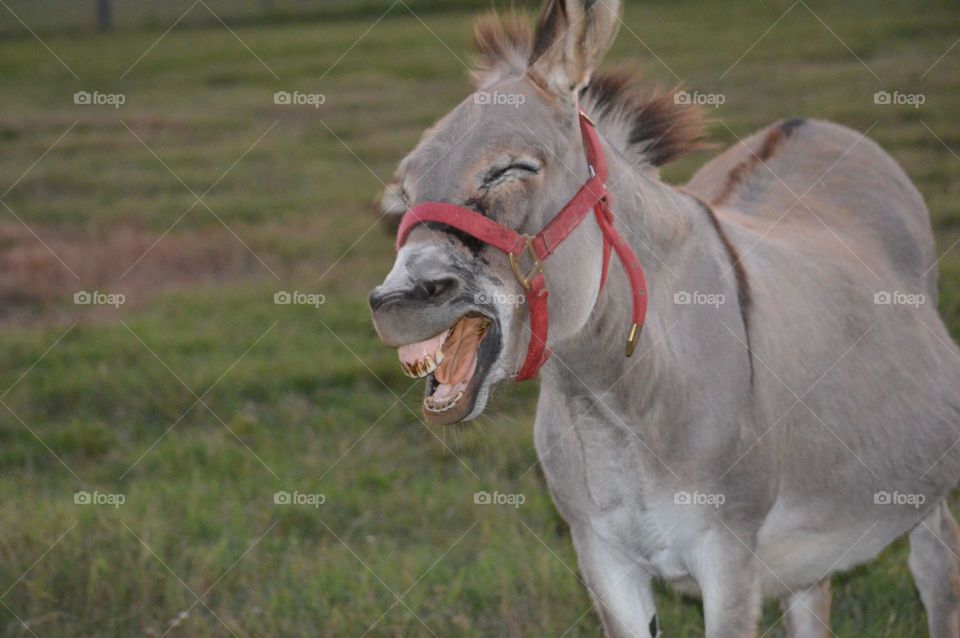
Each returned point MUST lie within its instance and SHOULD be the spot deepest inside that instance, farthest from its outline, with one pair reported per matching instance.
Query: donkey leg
(934, 563)
(727, 573)
(619, 586)
(807, 612)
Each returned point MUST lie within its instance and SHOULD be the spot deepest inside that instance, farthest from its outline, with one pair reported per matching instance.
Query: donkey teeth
(447, 405)
(423, 367)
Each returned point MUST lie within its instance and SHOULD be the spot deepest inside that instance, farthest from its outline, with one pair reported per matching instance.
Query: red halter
(592, 195)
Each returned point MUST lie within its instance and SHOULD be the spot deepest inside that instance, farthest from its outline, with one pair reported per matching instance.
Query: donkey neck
(682, 249)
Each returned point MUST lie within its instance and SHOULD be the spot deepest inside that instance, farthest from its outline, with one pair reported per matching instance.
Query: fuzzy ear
(390, 206)
(503, 44)
(571, 39)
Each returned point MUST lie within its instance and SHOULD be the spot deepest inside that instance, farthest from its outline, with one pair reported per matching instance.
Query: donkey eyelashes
(498, 174)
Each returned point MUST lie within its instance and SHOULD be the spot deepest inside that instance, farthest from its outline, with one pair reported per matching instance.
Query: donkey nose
(430, 290)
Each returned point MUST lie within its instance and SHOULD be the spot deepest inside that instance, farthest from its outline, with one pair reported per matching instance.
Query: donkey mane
(650, 127)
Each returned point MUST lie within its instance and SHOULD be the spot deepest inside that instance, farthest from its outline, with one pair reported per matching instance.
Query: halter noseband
(592, 195)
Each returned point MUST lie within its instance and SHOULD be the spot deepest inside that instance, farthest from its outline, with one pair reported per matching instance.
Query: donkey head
(512, 151)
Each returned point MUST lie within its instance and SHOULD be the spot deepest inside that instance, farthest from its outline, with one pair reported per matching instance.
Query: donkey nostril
(424, 290)
(376, 299)
(421, 291)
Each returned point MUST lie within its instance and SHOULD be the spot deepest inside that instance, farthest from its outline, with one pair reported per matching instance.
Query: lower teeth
(433, 406)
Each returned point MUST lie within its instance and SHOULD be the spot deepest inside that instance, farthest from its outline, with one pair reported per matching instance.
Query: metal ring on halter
(535, 269)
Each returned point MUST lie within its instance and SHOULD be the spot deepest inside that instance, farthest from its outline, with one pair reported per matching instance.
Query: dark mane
(650, 127)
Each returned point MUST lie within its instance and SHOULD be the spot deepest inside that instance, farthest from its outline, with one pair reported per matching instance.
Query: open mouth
(454, 364)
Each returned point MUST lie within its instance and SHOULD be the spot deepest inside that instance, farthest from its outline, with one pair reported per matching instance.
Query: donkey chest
(600, 475)
(590, 463)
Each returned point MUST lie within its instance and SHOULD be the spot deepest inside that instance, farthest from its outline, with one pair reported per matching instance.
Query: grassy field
(198, 398)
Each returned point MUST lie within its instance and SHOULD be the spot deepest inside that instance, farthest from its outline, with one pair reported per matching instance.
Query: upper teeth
(424, 366)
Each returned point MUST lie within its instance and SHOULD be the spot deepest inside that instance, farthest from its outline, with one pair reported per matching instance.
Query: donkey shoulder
(819, 177)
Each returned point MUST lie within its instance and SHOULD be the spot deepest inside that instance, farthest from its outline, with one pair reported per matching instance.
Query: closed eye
(516, 169)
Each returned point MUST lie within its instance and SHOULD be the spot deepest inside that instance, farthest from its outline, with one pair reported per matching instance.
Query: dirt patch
(39, 275)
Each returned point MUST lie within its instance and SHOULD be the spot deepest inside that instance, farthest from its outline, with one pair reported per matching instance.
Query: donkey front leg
(934, 563)
(726, 571)
(619, 586)
(807, 611)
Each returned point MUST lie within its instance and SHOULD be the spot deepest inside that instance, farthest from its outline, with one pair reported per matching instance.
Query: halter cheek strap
(535, 249)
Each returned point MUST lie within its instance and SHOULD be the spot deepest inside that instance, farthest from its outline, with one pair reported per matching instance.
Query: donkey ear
(571, 39)
(502, 42)
(390, 206)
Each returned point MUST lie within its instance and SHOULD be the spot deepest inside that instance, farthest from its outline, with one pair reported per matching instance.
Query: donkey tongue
(460, 351)
(459, 370)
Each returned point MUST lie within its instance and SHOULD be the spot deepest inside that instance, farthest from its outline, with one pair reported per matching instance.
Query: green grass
(304, 399)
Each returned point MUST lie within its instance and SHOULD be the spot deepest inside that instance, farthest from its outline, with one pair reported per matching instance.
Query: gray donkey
(793, 405)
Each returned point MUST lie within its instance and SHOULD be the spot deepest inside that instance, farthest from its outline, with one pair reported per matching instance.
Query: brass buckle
(535, 269)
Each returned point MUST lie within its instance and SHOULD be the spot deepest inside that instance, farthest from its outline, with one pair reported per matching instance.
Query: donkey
(793, 404)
